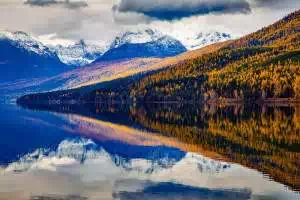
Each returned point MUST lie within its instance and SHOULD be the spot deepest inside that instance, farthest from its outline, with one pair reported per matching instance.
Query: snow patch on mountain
(138, 36)
(23, 40)
(76, 54)
(189, 40)
(204, 38)
(142, 43)
(81, 150)
(80, 53)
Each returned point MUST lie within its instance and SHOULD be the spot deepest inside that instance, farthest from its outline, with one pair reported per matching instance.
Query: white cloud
(54, 40)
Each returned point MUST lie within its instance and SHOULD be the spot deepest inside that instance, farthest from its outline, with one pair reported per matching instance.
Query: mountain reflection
(265, 138)
(136, 151)
(81, 163)
(168, 191)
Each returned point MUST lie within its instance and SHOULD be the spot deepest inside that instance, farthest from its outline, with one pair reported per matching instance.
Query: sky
(62, 21)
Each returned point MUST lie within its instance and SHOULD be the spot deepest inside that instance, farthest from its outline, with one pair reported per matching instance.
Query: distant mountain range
(140, 43)
(144, 42)
(29, 66)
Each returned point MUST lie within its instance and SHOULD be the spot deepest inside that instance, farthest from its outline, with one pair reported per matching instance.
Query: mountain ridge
(141, 44)
(80, 53)
(33, 58)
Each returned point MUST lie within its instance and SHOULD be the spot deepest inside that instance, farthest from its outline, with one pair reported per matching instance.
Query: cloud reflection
(81, 168)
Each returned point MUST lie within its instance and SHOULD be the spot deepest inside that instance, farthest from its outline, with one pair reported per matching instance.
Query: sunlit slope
(131, 67)
(283, 33)
(81, 76)
(264, 64)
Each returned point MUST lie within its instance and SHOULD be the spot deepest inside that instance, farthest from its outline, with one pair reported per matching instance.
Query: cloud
(178, 9)
(72, 4)
(262, 3)
(126, 18)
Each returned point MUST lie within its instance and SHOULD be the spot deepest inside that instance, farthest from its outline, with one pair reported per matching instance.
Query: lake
(153, 151)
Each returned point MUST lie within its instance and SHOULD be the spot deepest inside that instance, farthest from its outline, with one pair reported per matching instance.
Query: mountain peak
(21, 33)
(202, 39)
(80, 53)
(137, 36)
(24, 40)
(81, 43)
(141, 43)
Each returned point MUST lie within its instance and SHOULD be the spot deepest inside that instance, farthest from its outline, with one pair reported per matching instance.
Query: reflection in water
(84, 169)
(145, 152)
(265, 138)
(175, 191)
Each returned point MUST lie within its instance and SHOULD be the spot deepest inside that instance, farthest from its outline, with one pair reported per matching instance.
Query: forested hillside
(263, 65)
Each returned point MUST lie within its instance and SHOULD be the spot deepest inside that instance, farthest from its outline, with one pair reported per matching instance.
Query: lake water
(157, 151)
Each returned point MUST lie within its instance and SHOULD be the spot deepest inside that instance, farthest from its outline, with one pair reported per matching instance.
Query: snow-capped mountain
(204, 38)
(23, 40)
(80, 53)
(83, 151)
(23, 56)
(136, 37)
(139, 43)
(143, 43)
(37, 60)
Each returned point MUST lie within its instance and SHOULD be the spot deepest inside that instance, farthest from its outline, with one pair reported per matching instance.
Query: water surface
(156, 151)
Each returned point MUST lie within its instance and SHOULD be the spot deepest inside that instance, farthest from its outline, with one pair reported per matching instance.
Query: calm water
(149, 152)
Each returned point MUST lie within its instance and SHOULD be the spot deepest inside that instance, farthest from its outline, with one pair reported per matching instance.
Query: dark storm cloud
(177, 9)
(66, 3)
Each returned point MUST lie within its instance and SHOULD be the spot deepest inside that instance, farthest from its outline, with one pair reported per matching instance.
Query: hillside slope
(156, 64)
(24, 57)
(262, 65)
